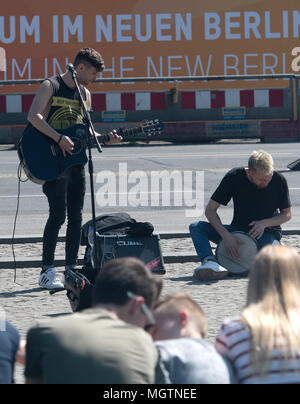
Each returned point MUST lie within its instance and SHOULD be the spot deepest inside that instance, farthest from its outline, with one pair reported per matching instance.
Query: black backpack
(117, 223)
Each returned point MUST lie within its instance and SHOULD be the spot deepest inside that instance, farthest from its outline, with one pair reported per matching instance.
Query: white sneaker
(48, 280)
(210, 271)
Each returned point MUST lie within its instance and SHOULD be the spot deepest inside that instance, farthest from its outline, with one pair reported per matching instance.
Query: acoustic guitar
(42, 158)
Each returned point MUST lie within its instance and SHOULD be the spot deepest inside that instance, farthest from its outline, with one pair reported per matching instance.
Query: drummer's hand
(258, 228)
(231, 244)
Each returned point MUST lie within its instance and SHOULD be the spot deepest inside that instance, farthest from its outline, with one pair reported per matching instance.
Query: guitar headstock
(152, 127)
(143, 131)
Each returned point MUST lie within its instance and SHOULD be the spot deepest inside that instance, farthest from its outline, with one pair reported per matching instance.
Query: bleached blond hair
(272, 314)
(261, 160)
(171, 305)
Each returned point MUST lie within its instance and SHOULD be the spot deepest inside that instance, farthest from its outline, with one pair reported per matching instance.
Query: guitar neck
(125, 133)
(103, 139)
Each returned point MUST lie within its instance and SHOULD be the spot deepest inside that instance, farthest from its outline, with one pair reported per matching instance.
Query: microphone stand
(90, 134)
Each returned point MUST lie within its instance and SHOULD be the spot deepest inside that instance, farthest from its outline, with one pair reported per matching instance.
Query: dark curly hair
(91, 56)
(123, 275)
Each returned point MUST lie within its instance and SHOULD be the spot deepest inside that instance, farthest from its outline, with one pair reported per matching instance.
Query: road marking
(116, 193)
(173, 156)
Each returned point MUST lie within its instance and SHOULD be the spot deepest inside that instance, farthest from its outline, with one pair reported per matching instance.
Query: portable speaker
(80, 284)
(295, 165)
(147, 249)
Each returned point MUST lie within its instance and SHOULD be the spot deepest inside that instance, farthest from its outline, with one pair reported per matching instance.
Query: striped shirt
(233, 342)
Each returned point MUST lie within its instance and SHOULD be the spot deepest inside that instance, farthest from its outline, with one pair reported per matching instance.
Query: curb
(61, 239)
(163, 236)
(25, 262)
(30, 262)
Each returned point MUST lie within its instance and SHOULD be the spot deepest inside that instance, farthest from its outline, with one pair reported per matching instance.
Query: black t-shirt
(250, 202)
(9, 344)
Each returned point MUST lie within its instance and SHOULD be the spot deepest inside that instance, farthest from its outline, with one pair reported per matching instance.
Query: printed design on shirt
(67, 113)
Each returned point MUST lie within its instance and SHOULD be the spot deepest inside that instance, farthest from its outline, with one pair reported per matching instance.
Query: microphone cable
(19, 176)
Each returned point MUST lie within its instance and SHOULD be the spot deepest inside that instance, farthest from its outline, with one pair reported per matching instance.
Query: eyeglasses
(145, 309)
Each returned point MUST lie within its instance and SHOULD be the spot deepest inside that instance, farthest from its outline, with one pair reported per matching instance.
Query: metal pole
(169, 78)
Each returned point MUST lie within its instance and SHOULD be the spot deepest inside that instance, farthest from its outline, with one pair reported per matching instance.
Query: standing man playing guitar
(57, 106)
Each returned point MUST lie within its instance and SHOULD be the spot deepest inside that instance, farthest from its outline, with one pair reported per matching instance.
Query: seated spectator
(20, 357)
(9, 344)
(263, 343)
(105, 344)
(261, 204)
(184, 356)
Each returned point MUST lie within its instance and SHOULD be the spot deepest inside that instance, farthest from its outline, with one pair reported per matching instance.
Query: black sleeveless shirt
(65, 108)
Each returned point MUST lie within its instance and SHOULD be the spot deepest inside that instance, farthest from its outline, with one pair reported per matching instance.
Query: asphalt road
(126, 179)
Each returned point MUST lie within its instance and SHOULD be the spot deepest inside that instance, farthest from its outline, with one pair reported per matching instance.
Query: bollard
(2, 319)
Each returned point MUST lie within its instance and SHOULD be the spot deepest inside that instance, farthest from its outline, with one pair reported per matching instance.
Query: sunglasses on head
(145, 309)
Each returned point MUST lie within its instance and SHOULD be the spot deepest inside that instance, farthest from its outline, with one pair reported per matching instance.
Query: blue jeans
(203, 232)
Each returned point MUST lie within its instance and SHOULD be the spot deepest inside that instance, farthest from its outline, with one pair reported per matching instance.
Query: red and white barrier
(260, 98)
(147, 101)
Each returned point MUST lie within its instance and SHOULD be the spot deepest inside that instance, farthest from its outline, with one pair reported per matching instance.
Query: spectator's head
(272, 314)
(130, 288)
(88, 63)
(260, 168)
(178, 316)
(275, 276)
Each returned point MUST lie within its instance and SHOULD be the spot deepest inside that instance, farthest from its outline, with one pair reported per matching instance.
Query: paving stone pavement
(25, 303)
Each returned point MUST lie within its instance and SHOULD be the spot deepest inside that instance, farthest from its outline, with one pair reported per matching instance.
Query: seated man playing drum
(261, 204)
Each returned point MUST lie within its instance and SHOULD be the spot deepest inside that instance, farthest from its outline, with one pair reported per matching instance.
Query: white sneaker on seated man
(211, 270)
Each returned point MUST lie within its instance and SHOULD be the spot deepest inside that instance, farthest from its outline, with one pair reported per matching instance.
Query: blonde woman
(263, 343)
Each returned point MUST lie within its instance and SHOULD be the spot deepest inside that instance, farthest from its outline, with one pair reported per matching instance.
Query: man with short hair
(105, 344)
(9, 345)
(57, 106)
(184, 356)
(261, 203)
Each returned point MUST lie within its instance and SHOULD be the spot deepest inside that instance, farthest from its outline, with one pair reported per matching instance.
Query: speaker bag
(147, 249)
(79, 290)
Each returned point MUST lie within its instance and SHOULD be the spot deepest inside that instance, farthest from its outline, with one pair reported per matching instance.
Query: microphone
(71, 69)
